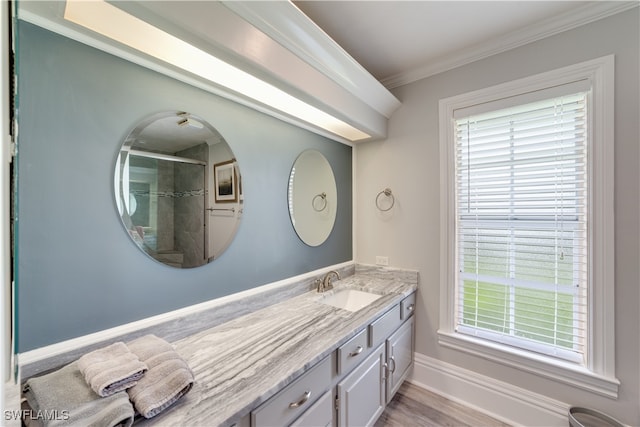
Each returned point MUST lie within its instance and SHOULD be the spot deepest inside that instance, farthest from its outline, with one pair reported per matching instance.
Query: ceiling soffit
(278, 44)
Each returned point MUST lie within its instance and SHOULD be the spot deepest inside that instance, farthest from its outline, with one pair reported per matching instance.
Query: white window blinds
(521, 223)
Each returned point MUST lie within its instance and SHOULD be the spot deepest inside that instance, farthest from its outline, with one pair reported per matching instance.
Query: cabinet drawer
(320, 414)
(290, 402)
(408, 306)
(384, 326)
(243, 422)
(352, 352)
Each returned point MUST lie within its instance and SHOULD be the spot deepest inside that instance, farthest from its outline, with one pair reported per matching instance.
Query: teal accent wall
(77, 271)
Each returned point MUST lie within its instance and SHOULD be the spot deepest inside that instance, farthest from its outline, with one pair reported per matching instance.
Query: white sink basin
(350, 299)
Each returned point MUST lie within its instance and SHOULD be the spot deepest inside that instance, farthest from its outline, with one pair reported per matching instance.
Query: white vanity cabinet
(352, 386)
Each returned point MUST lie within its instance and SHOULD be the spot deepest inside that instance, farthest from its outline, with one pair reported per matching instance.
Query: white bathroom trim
(171, 325)
(6, 300)
(557, 24)
(503, 401)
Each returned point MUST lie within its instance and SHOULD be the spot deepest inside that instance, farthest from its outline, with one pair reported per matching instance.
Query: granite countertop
(243, 362)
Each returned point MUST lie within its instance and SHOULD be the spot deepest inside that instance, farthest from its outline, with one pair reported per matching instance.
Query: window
(527, 224)
(521, 226)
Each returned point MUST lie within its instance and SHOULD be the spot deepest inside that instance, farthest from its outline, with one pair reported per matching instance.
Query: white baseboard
(503, 401)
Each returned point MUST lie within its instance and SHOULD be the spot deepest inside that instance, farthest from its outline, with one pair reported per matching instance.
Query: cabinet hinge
(337, 402)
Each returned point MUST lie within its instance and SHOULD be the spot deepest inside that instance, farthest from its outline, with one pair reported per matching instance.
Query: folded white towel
(111, 369)
(167, 380)
(63, 398)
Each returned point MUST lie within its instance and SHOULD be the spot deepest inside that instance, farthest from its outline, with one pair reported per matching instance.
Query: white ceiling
(402, 41)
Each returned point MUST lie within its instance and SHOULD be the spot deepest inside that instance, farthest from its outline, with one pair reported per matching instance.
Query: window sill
(544, 366)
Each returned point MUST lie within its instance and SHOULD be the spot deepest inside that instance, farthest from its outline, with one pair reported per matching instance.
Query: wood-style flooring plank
(415, 406)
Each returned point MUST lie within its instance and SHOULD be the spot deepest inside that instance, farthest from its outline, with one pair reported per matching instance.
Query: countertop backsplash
(197, 325)
(187, 322)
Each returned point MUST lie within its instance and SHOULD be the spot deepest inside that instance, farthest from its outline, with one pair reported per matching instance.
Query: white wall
(407, 162)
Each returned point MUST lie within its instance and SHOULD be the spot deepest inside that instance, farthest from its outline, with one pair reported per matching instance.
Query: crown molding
(563, 22)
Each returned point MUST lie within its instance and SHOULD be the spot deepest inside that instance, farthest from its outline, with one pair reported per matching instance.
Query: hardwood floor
(414, 406)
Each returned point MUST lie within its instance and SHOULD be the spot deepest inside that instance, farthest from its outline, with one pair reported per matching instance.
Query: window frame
(494, 216)
(598, 374)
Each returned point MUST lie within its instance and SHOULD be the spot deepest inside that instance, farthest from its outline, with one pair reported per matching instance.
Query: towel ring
(323, 196)
(387, 192)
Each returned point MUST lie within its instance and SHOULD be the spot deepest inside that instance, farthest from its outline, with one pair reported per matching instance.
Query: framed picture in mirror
(224, 176)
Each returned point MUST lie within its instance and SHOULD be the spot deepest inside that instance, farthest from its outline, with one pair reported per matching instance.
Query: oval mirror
(178, 189)
(313, 197)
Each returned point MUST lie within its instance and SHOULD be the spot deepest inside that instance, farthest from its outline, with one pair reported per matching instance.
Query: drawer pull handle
(411, 307)
(307, 395)
(357, 352)
(385, 367)
(392, 359)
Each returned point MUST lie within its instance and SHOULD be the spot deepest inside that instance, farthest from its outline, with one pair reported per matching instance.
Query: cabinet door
(321, 414)
(361, 393)
(399, 356)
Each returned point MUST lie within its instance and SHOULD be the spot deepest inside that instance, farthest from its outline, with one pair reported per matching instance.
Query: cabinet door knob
(305, 397)
(357, 352)
(411, 307)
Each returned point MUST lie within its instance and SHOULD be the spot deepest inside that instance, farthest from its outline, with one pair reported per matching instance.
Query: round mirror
(313, 197)
(178, 189)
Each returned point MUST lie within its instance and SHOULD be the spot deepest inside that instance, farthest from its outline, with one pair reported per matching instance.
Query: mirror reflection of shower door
(166, 208)
(189, 213)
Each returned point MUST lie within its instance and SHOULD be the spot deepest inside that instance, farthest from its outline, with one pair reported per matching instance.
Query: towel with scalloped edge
(111, 369)
(167, 379)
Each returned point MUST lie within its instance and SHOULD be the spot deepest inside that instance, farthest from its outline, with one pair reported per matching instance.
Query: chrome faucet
(325, 283)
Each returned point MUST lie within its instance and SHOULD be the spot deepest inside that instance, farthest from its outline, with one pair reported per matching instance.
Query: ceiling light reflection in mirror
(129, 30)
